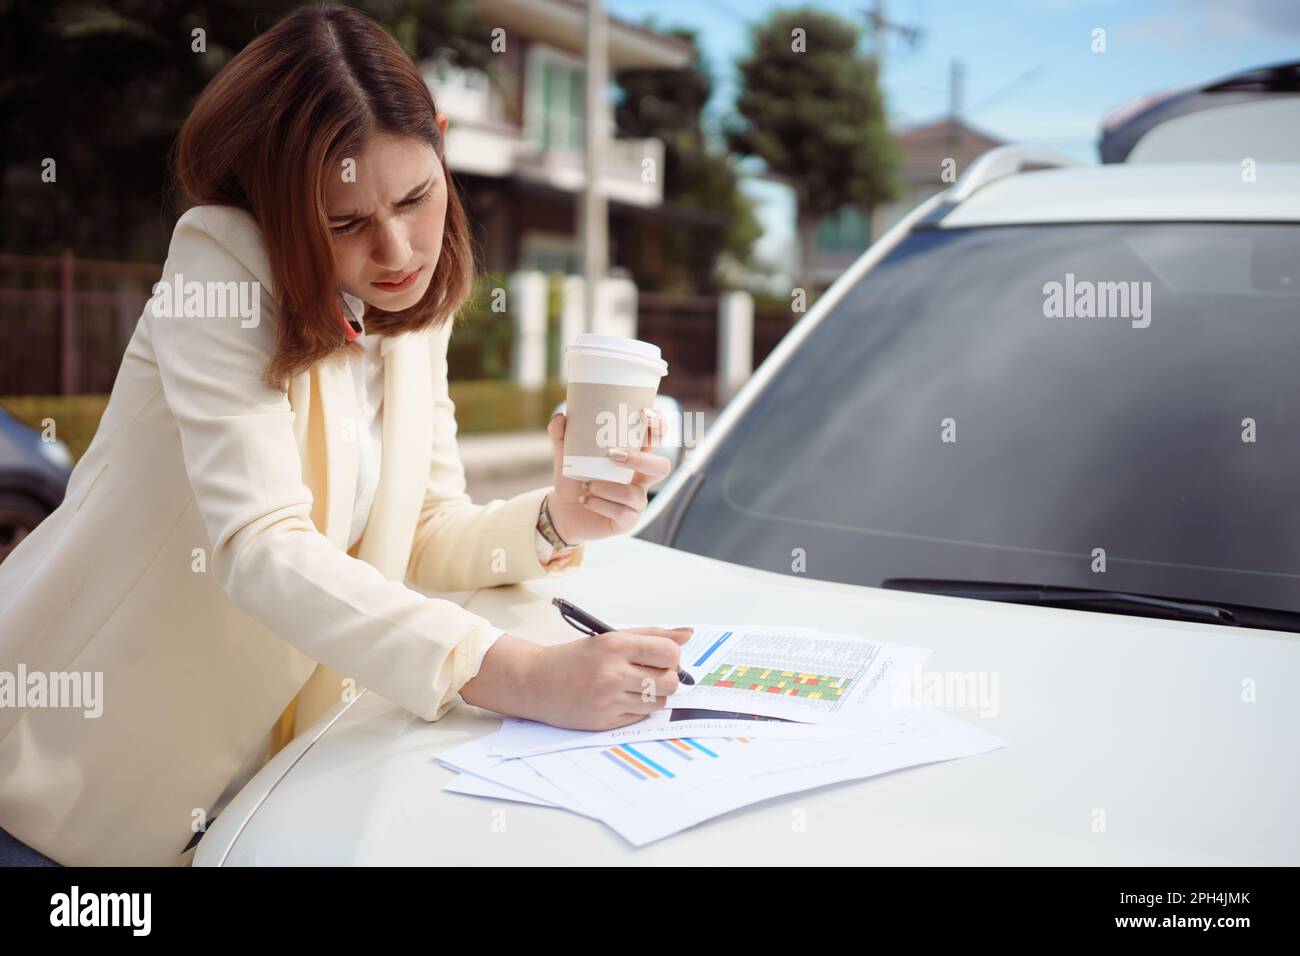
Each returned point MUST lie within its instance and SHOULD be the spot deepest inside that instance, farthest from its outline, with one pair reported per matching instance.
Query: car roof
(1243, 108)
(1178, 192)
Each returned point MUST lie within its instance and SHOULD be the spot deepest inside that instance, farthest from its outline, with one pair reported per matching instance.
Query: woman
(232, 550)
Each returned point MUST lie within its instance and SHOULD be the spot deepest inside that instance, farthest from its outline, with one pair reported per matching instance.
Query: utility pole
(594, 222)
(880, 26)
(878, 35)
(956, 81)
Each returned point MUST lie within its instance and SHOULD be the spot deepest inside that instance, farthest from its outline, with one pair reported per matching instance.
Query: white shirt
(368, 380)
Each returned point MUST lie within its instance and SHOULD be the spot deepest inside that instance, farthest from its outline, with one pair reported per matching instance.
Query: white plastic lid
(617, 345)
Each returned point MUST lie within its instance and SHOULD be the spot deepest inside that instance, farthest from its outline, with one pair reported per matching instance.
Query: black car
(33, 475)
(1252, 115)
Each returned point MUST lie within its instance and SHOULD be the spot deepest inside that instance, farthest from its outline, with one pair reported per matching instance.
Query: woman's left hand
(589, 509)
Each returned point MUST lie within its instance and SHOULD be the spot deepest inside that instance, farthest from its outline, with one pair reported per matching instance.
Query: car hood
(1129, 741)
(1175, 730)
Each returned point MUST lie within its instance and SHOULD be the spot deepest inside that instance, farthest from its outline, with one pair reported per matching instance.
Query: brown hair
(262, 135)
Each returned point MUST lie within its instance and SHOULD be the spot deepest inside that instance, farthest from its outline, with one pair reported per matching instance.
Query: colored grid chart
(770, 680)
(820, 672)
(659, 759)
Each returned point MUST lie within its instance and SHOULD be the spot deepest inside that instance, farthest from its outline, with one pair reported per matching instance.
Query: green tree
(669, 105)
(811, 108)
(102, 89)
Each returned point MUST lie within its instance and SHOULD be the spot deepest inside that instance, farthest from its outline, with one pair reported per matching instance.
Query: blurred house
(515, 142)
(842, 237)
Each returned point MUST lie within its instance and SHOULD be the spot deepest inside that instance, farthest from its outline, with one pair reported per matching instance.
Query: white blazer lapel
(338, 404)
(336, 428)
(404, 469)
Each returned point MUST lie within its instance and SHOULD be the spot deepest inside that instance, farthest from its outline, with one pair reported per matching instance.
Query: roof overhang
(563, 24)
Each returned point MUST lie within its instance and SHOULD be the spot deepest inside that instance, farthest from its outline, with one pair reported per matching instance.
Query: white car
(1049, 427)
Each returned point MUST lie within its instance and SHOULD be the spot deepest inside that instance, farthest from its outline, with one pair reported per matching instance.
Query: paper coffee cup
(610, 380)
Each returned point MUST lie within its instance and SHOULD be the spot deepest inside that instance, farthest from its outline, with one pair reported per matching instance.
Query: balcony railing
(633, 169)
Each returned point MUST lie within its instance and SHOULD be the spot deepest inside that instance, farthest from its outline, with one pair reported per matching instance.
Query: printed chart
(649, 789)
(812, 677)
(665, 759)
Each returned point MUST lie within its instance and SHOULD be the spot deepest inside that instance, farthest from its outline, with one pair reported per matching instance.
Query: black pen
(590, 626)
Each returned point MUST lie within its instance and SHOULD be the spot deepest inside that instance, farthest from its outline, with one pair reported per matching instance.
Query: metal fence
(66, 321)
(686, 330)
(771, 323)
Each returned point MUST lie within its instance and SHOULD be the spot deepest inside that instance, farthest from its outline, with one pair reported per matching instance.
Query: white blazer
(198, 562)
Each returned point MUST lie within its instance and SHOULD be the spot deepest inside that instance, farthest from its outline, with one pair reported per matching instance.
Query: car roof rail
(997, 163)
(1003, 161)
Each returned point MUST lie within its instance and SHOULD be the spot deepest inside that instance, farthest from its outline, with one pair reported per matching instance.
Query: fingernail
(618, 454)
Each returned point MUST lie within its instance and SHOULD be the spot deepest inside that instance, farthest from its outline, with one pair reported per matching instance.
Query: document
(649, 791)
(509, 775)
(814, 677)
(774, 710)
(473, 786)
(522, 738)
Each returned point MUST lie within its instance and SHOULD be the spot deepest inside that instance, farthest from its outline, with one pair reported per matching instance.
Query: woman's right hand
(592, 683)
(617, 678)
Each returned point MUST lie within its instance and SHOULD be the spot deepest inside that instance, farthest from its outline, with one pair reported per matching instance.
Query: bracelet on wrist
(546, 526)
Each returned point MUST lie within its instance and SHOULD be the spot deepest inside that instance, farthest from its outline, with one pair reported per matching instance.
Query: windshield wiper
(1115, 602)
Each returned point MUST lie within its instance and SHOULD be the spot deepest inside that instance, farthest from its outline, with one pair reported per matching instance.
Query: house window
(556, 101)
(548, 252)
(843, 231)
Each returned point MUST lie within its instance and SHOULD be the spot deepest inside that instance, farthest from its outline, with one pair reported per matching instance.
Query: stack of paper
(774, 710)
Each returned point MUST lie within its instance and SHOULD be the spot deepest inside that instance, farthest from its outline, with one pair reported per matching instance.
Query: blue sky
(1030, 73)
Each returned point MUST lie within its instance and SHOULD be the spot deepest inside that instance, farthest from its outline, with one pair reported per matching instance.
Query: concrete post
(527, 304)
(735, 342)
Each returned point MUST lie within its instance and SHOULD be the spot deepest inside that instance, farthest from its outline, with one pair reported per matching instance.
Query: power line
(730, 11)
(1028, 74)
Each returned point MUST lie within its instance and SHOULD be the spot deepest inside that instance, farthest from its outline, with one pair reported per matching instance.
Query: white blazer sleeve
(459, 545)
(269, 558)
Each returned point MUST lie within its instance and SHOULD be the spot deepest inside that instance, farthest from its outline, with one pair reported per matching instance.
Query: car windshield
(1092, 406)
